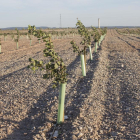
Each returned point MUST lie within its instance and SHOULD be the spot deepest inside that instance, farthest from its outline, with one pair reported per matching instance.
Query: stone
(33, 128)
(32, 117)
(25, 134)
(65, 117)
(81, 115)
(80, 128)
(114, 134)
(101, 132)
(55, 135)
(90, 129)
(9, 130)
(43, 136)
(128, 109)
(122, 128)
(45, 130)
(80, 135)
(38, 136)
(55, 97)
(49, 125)
(111, 139)
(74, 137)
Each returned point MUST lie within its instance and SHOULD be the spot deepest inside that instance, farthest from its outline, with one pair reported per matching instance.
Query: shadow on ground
(36, 115)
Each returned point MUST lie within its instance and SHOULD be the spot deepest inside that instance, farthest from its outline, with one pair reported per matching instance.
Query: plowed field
(104, 105)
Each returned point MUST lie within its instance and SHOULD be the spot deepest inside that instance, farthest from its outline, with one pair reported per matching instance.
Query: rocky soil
(104, 105)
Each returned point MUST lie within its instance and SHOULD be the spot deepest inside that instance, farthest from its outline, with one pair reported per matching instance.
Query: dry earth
(104, 105)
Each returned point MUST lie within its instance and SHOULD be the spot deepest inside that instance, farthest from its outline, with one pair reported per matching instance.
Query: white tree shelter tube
(60, 117)
(83, 65)
(90, 53)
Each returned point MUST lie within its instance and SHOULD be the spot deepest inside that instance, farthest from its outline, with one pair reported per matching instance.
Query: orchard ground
(104, 105)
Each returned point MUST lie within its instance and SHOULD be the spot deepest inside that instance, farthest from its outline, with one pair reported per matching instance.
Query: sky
(21, 13)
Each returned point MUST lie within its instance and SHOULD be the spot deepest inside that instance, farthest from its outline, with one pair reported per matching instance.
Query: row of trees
(129, 31)
(59, 34)
(16, 36)
(56, 68)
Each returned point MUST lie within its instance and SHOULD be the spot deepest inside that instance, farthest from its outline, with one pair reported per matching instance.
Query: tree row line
(55, 68)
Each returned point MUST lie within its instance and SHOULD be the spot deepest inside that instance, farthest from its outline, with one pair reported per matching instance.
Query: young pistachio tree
(5, 36)
(62, 35)
(55, 69)
(18, 32)
(81, 54)
(12, 36)
(17, 40)
(39, 35)
(96, 40)
(103, 33)
(57, 34)
(98, 36)
(26, 35)
(93, 31)
(30, 40)
(31, 29)
(86, 42)
(30, 32)
(65, 35)
(86, 37)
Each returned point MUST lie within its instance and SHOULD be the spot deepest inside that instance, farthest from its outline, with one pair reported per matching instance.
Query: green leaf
(40, 62)
(58, 63)
(34, 63)
(54, 86)
(56, 66)
(33, 68)
(62, 63)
